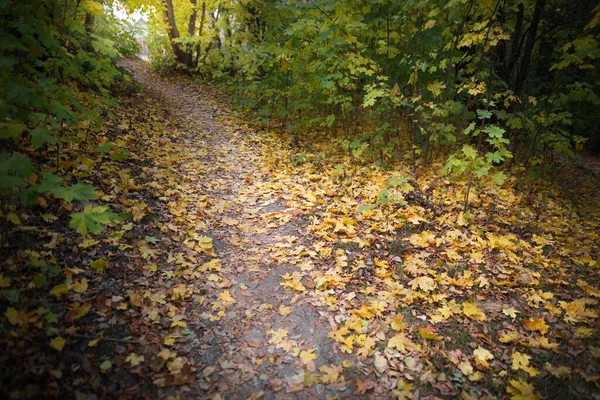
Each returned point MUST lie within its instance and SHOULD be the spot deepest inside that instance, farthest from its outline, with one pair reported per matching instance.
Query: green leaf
(367, 207)
(436, 88)
(52, 184)
(469, 128)
(499, 178)
(469, 151)
(14, 169)
(39, 280)
(484, 114)
(105, 148)
(493, 131)
(92, 219)
(41, 135)
(11, 130)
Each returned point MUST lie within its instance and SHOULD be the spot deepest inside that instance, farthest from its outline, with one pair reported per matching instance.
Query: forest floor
(247, 270)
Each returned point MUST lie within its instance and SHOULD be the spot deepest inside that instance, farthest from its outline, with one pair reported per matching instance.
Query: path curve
(263, 341)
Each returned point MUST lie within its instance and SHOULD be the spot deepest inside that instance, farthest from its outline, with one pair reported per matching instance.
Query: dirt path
(254, 337)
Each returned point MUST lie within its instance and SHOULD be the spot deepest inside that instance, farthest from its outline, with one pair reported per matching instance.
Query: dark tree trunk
(531, 38)
(515, 43)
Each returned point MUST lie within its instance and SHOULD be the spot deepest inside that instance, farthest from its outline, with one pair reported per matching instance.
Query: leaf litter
(242, 272)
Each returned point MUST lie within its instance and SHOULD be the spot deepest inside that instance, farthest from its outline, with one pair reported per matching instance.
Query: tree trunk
(515, 44)
(181, 55)
(202, 18)
(531, 38)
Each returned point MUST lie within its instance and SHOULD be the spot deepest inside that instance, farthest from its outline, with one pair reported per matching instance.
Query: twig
(88, 337)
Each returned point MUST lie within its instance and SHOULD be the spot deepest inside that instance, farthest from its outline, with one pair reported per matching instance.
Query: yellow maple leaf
(398, 323)
(424, 283)
(576, 310)
(354, 324)
(99, 265)
(307, 356)
(4, 281)
(428, 332)
(226, 298)
(362, 312)
(400, 342)
(482, 356)
(285, 310)
(60, 290)
(521, 390)
(57, 343)
(536, 325)
(558, 372)
(81, 286)
(470, 310)
(511, 312)
(330, 374)
(12, 315)
(277, 336)
(134, 360)
(521, 361)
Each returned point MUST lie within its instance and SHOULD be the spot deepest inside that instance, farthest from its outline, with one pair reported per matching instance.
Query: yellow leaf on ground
(558, 372)
(521, 361)
(307, 355)
(12, 315)
(277, 336)
(536, 325)
(424, 283)
(134, 360)
(285, 310)
(99, 265)
(511, 312)
(330, 374)
(400, 342)
(482, 356)
(57, 343)
(470, 310)
(521, 390)
(59, 290)
(81, 286)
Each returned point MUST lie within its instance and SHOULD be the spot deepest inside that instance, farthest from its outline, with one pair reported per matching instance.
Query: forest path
(251, 336)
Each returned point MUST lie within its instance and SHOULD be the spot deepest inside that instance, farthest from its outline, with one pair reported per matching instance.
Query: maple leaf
(521, 390)
(362, 387)
(482, 356)
(428, 332)
(105, 365)
(57, 343)
(536, 325)
(134, 360)
(307, 355)
(99, 265)
(511, 312)
(292, 283)
(521, 361)
(398, 323)
(330, 374)
(226, 298)
(470, 310)
(80, 286)
(12, 315)
(424, 283)
(558, 372)
(277, 336)
(400, 342)
(576, 310)
(60, 290)
(362, 312)
(285, 310)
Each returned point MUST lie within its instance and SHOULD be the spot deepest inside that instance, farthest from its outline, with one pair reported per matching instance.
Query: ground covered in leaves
(249, 267)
